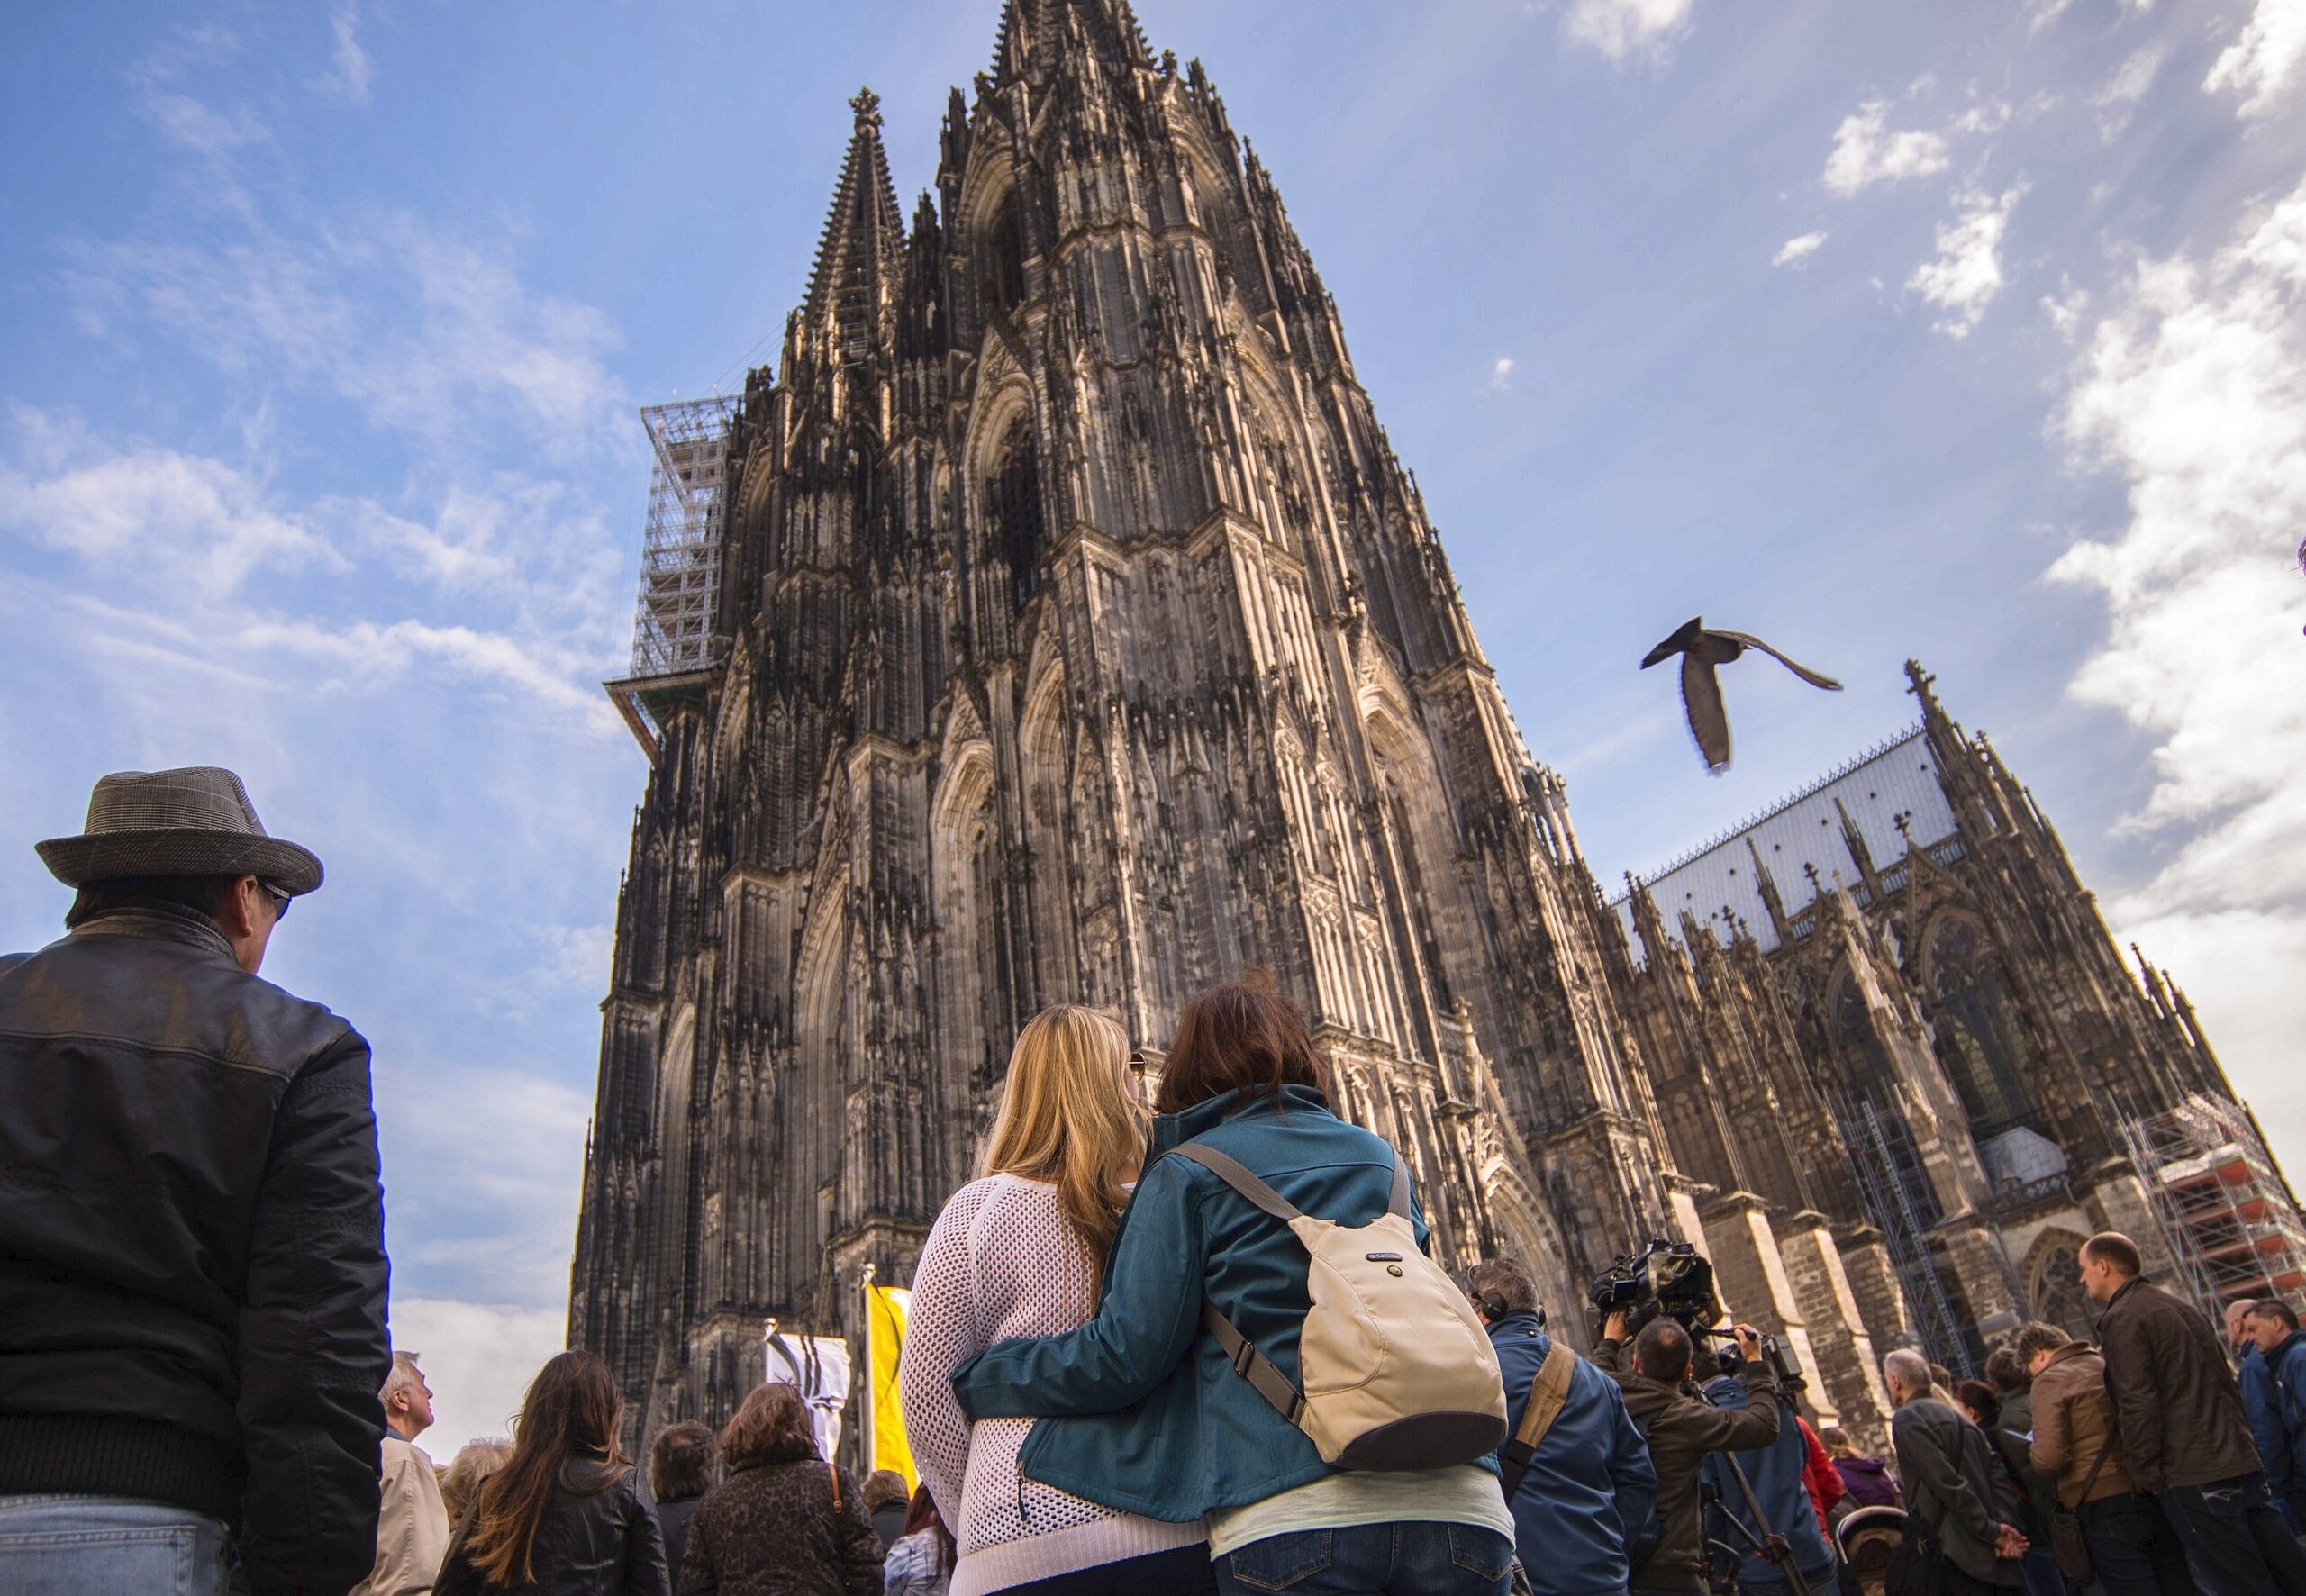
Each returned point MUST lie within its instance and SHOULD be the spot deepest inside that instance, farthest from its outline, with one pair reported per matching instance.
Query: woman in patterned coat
(785, 1522)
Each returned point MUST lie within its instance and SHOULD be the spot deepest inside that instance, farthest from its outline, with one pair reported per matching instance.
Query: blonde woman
(1020, 1252)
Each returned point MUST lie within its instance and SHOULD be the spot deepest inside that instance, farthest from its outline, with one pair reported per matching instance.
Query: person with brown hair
(1018, 1252)
(889, 1500)
(564, 1516)
(680, 1471)
(921, 1560)
(2133, 1550)
(785, 1522)
(1166, 1422)
(2185, 1435)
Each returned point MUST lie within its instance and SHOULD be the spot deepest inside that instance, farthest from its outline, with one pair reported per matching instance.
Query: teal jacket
(1142, 1411)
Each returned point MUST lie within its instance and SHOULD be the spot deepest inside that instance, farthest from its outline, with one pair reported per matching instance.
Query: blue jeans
(2237, 1540)
(108, 1545)
(1415, 1558)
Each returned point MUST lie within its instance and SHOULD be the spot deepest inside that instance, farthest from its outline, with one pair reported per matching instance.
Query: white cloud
(372, 653)
(191, 125)
(349, 68)
(2192, 388)
(1965, 274)
(150, 512)
(2122, 92)
(478, 1358)
(2264, 62)
(1623, 28)
(1501, 375)
(1798, 249)
(1866, 152)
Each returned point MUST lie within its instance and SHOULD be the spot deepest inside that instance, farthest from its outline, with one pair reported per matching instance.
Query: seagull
(1701, 651)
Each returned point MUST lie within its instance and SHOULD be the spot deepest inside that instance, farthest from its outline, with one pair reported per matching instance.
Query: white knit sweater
(1002, 1263)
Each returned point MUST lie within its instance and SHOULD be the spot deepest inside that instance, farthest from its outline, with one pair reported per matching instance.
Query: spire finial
(868, 106)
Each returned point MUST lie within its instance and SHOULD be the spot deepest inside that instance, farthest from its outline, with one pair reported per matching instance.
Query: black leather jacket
(597, 1537)
(192, 1262)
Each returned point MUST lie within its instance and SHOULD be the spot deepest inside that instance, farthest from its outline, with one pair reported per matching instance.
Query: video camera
(1668, 1279)
(1783, 1367)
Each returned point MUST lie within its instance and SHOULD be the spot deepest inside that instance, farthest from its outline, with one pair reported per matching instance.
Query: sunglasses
(280, 900)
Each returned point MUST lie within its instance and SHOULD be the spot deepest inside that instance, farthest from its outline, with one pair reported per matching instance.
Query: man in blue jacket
(1775, 1473)
(2257, 1396)
(2272, 1325)
(1582, 1513)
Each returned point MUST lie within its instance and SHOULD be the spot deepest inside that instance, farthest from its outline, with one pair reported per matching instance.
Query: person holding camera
(1681, 1427)
(1787, 1534)
(1577, 1477)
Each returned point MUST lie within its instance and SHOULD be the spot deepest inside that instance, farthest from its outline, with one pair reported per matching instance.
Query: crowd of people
(1194, 1345)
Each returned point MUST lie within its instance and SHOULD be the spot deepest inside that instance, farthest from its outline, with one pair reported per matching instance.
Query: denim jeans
(2237, 1540)
(108, 1545)
(2133, 1551)
(1415, 1558)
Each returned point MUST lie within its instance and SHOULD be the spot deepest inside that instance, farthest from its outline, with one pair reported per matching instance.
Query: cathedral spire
(852, 287)
(1032, 35)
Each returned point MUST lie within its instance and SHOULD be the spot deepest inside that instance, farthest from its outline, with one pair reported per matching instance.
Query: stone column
(1846, 1374)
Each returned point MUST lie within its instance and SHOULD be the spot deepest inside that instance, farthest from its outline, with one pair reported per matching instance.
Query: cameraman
(1775, 1473)
(1681, 1427)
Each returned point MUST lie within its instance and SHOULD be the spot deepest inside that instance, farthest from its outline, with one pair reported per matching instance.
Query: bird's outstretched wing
(1702, 702)
(1807, 674)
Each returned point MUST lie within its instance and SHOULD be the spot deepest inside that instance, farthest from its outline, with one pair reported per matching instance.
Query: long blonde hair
(1070, 1115)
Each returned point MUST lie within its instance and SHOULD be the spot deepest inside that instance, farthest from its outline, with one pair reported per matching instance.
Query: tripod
(1769, 1545)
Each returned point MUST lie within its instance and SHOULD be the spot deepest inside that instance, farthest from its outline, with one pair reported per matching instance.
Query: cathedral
(1061, 627)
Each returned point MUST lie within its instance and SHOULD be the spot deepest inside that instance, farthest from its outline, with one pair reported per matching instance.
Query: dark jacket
(773, 1529)
(192, 1262)
(1166, 1427)
(672, 1523)
(1868, 1481)
(888, 1521)
(597, 1537)
(1589, 1491)
(1955, 1487)
(2036, 1490)
(1681, 1429)
(2175, 1402)
(2261, 1405)
(1776, 1473)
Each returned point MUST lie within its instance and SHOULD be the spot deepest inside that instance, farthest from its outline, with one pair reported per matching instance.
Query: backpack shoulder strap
(1230, 1170)
(1549, 1394)
(1398, 1203)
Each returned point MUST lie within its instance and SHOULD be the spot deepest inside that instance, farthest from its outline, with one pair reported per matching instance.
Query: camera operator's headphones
(1491, 1303)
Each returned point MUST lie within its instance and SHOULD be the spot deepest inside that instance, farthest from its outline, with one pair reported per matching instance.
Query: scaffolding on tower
(680, 562)
(2230, 1218)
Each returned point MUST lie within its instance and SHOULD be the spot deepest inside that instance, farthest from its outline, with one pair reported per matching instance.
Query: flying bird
(1701, 651)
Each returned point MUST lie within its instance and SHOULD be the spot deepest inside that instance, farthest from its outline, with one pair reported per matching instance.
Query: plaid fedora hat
(194, 821)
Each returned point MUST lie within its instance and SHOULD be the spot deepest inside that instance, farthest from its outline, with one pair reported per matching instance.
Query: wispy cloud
(2119, 96)
(1964, 275)
(1501, 375)
(1866, 152)
(1798, 249)
(2188, 389)
(2268, 58)
(1621, 29)
(349, 68)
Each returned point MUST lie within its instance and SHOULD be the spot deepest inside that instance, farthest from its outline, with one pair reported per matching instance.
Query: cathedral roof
(1718, 885)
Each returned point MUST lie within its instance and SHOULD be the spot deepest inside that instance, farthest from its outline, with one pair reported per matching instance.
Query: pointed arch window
(1012, 505)
(1003, 260)
(1981, 1038)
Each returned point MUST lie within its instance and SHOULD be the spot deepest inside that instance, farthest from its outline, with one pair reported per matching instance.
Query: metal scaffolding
(2229, 1214)
(680, 559)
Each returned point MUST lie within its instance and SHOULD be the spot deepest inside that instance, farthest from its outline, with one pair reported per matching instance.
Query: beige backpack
(1398, 1373)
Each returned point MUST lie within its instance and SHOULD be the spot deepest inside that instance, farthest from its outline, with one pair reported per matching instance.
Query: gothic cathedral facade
(1079, 638)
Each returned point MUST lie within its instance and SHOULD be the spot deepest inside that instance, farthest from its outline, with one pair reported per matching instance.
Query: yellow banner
(885, 1308)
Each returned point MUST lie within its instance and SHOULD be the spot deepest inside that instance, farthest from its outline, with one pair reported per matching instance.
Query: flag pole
(864, 1443)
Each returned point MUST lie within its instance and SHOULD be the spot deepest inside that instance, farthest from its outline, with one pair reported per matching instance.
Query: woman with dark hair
(785, 1522)
(563, 1517)
(680, 1471)
(1162, 1424)
(922, 1558)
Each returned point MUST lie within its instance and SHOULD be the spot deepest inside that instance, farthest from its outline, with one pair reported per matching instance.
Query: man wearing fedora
(192, 1262)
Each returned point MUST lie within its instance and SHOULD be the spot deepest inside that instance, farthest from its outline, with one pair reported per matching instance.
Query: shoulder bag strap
(1252, 1365)
(2103, 1453)
(832, 1472)
(1548, 1391)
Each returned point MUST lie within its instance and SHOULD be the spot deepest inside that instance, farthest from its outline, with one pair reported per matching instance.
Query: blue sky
(1965, 330)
